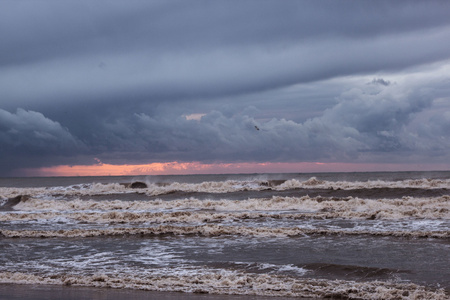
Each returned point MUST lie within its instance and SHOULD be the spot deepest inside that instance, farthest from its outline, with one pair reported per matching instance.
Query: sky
(180, 87)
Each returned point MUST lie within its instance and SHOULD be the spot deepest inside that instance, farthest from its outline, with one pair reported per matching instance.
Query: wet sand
(51, 292)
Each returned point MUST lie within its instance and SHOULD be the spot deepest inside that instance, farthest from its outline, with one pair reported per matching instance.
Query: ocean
(324, 235)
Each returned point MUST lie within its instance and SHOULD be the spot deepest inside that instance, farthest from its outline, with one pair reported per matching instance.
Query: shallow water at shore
(53, 292)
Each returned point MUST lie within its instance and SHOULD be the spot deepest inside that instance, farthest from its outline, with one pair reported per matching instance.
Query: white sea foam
(91, 220)
(158, 255)
(214, 230)
(349, 185)
(228, 186)
(283, 268)
(3, 201)
(74, 215)
(73, 190)
(312, 183)
(233, 282)
(319, 207)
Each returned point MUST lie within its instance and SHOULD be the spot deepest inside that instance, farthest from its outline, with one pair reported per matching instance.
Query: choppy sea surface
(325, 235)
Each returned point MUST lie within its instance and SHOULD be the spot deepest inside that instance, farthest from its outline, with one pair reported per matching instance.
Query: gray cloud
(366, 120)
(181, 26)
(178, 50)
(29, 128)
(323, 80)
(380, 81)
(30, 139)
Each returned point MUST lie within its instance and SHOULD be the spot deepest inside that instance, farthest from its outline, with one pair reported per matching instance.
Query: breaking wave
(155, 189)
(252, 236)
(214, 230)
(228, 282)
(317, 207)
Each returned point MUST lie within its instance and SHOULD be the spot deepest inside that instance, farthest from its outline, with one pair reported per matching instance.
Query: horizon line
(197, 168)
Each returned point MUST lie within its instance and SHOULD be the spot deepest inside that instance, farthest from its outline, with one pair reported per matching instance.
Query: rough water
(330, 235)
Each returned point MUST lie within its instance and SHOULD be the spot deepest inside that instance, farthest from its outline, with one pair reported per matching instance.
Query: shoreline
(56, 292)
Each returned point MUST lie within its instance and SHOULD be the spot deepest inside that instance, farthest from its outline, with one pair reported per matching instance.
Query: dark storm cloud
(321, 79)
(380, 81)
(175, 49)
(366, 119)
(86, 26)
(33, 129)
(28, 138)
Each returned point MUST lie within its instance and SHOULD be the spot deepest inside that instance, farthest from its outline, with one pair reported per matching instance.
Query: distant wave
(229, 186)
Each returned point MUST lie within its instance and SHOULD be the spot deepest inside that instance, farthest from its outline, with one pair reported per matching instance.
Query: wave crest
(318, 207)
(227, 282)
(214, 230)
(217, 187)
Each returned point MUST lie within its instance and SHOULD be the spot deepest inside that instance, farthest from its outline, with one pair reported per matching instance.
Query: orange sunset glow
(185, 168)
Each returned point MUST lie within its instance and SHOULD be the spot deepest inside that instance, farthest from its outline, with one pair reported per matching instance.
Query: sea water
(348, 235)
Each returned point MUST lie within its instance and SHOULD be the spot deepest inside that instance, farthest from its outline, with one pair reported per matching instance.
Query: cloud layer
(158, 81)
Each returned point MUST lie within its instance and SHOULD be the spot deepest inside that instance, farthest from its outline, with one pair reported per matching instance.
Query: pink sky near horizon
(185, 168)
